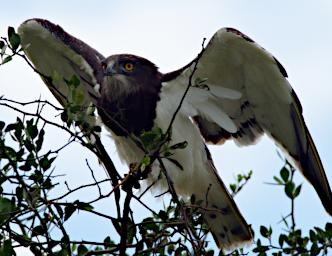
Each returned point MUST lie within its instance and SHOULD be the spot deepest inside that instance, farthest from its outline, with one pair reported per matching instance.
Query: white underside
(193, 158)
(198, 176)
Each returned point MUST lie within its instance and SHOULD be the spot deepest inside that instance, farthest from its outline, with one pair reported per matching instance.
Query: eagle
(233, 90)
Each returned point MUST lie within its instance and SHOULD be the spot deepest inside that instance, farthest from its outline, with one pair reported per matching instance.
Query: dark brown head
(127, 74)
(129, 93)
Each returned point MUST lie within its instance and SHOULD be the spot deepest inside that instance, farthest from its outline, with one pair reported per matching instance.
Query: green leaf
(3, 50)
(64, 116)
(6, 208)
(151, 139)
(32, 194)
(180, 145)
(6, 248)
(38, 230)
(11, 153)
(278, 180)
(69, 210)
(78, 97)
(2, 125)
(289, 189)
(27, 143)
(297, 191)
(175, 162)
(139, 246)
(328, 228)
(167, 154)
(162, 215)
(149, 224)
(233, 187)
(73, 247)
(31, 129)
(84, 206)
(7, 59)
(117, 224)
(82, 250)
(74, 81)
(46, 163)
(19, 128)
(47, 184)
(37, 176)
(239, 177)
(19, 193)
(10, 127)
(264, 231)
(314, 250)
(145, 162)
(14, 39)
(25, 167)
(284, 173)
(2, 44)
(97, 128)
(313, 236)
(59, 210)
(210, 253)
(108, 243)
(179, 251)
(170, 249)
(40, 140)
(131, 231)
(31, 159)
(282, 239)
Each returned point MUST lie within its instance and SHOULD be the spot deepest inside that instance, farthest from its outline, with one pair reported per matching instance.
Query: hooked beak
(109, 69)
(109, 72)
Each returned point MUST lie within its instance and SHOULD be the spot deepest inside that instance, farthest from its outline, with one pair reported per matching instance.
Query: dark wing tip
(43, 35)
(239, 33)
(47, 24)
(281, 68)
(39, 20)
(76, 44)
(247, 38)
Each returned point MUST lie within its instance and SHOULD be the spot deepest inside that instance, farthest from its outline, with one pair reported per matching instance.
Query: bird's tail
(220, 213)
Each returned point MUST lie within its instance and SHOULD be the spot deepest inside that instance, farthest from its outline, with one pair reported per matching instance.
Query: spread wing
(240, 92)
(58, 56)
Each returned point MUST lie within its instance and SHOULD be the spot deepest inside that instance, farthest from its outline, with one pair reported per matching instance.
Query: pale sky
(169, 33)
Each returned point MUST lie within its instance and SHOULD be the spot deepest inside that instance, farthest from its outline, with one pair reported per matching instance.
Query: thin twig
(93, 176)
(187, 89)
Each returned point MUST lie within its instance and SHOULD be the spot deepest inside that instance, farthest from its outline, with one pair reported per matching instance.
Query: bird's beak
(110, 70)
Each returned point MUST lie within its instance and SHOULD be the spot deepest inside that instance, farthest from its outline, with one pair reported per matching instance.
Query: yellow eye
(129, 66)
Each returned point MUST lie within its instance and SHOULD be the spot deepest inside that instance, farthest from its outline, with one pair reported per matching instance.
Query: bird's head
(126, 74)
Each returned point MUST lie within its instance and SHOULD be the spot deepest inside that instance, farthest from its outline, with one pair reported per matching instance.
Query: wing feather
(58, 55)
(262, 102)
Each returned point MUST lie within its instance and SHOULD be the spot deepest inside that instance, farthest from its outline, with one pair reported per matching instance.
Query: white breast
(193, 158)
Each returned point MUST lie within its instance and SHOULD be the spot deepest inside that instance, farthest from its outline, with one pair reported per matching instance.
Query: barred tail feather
(226, 223)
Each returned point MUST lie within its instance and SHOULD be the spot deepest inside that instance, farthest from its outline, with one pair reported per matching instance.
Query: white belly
(196, 174)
